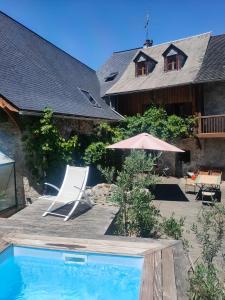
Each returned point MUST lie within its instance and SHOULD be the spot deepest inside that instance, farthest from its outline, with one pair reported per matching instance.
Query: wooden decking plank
(168, 275)
(146, 291)
(157, 287)
(181, 267)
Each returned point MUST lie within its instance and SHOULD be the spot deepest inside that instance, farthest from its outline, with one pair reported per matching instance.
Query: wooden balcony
(211, 126)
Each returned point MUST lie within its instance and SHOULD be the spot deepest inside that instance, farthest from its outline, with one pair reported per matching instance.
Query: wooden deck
(165, 266)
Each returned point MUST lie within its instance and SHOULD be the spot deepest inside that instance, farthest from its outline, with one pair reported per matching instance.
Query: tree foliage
(45, 148)
(138, 215)
(154, 121)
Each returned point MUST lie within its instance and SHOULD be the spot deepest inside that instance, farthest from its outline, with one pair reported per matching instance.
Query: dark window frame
(174, 62)
(141, 68)
(90, 98)
(111, 76)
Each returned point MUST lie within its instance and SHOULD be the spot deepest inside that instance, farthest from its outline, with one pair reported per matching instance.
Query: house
(35, 74)
(186, 77)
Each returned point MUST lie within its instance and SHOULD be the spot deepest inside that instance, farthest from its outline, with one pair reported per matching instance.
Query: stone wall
(73, 126)
(11, 145)
(214, 98)
(207, 153)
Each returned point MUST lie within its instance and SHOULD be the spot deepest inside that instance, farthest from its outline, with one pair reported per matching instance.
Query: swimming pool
(41, 274)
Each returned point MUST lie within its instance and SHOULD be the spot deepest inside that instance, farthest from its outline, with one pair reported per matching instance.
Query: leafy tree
(45, 148)
(138, 216)
(154, 121)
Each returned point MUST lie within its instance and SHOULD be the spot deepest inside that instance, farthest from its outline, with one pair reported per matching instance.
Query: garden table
(210, 181)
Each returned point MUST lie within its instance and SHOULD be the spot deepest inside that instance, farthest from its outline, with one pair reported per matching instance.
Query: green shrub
(205, 282)
(205, 285)
(173, 227)
(108, 173)
(95, 153)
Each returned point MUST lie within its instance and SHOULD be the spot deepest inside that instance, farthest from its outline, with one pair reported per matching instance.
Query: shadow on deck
(170, 192)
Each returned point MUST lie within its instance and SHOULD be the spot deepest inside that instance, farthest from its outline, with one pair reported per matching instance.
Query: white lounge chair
(71, 191)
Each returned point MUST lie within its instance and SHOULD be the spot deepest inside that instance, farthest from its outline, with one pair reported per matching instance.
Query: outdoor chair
(216, 172)
(189, 182)
(208, 196)
(71, 192)
(165, 172)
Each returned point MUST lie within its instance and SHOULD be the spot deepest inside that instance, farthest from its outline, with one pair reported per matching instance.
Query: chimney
(148, 43)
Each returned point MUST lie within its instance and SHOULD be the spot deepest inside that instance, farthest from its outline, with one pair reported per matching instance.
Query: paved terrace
(171, 198)
(164, 267)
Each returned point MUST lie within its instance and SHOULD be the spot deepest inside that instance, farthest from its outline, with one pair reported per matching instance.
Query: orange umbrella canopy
(145, 141)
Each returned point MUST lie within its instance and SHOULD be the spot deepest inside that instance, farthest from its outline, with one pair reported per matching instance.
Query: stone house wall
(205, 153)
(11, 144)
(214, 98)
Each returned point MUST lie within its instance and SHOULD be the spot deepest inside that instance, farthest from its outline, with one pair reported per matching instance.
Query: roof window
(90, 98)
(111, 76)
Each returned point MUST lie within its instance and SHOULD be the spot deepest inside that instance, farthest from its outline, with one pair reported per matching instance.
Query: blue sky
(91, 30)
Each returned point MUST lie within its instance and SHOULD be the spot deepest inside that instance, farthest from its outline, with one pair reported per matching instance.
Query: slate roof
(118, 62)
(35, 74)
(194, 47)
(213, 66)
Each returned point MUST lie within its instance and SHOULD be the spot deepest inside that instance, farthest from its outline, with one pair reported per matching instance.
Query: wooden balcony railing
(211, 126)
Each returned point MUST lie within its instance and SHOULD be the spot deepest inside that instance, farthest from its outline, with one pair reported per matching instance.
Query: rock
(100, 193)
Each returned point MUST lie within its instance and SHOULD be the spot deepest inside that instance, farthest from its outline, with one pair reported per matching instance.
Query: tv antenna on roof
(147, 26)
(148, 43)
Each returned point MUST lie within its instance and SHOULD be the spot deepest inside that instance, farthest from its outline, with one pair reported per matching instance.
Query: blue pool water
(41, 274)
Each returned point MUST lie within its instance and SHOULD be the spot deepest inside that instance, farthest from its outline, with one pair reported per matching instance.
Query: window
(90, 98)
(111, 76)
(174, 59)
(172, 63)
(141, 68)
(144, 64)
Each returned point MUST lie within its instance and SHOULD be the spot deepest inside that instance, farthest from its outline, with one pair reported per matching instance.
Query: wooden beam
(4, 104)
(9, 110)
(211, 135)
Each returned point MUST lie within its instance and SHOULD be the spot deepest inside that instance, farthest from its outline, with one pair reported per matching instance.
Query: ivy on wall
(45, 148)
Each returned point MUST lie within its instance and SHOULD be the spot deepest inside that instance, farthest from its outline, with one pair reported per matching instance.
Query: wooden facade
(182, 100)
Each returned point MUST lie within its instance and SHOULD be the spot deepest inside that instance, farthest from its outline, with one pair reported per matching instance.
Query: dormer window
(174, 59)
(144, 64)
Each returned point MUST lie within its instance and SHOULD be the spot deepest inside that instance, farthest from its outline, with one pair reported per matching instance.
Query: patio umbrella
(145, 141)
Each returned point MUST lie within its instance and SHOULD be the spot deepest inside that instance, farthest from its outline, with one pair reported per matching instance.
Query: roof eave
(68, 116)
(151, 89)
